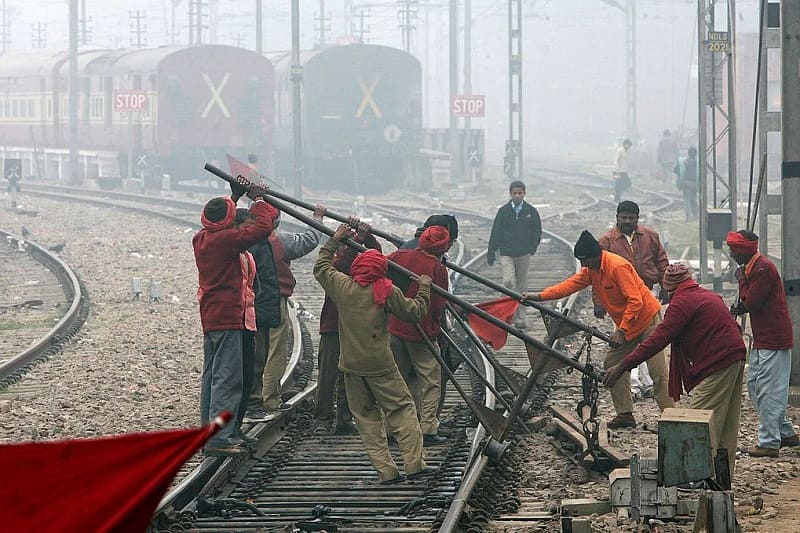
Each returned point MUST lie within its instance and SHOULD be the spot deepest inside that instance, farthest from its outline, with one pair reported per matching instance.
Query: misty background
(573, 56)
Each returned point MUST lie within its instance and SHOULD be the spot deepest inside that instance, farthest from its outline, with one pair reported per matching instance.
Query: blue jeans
(768, 386)
(222, 381)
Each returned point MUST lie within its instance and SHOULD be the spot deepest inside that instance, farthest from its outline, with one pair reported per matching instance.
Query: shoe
(347, 428)
(247, 440)
(395, 480)
(426, 471)
(794, 440)
(230, 451)
(758, 451)
(432, 439)
(324, 427)
(258, 415)
(622, 420)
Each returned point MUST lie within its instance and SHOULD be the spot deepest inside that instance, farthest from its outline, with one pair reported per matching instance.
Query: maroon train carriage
(170, 108)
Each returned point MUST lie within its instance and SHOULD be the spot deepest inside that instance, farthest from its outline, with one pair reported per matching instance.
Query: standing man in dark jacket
(223, 308)
(761, 293)
(516, 233)
(707, 354)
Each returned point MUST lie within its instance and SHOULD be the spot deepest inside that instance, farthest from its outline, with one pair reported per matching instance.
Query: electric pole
(39, 31)
(467, 83)
(74, 164)
(296, 75)
(407, 12)
(84, 21)
(323, 25)
(790, 171)
(259, 28)
(238, 39)
(455, 158)
(513, 164)
(4, 36)
(138, 28)
(363, 27)
(629, 9)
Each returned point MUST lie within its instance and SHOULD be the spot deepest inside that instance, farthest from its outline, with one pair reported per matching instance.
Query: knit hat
(587, 246)
(218, 213)
(434, 240)
(674, 275)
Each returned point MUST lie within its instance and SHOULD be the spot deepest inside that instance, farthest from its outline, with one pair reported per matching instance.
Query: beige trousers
(368, 397)
(621, 391)
(423, 375)
(277, 359)
(515, 277)
(722, 392)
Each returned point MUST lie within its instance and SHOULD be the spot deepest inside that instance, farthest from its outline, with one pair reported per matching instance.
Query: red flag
(103, 484)
(501, 308)
(241, 169)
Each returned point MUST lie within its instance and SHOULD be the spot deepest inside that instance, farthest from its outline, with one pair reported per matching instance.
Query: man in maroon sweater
(761, 294)
(223, 307)
(707, 354)
(330, 381)
(418, 365)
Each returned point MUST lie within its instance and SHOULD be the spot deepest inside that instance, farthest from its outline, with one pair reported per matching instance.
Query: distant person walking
(622, 182)
(516, 234)
(667, 156)
(688, 176)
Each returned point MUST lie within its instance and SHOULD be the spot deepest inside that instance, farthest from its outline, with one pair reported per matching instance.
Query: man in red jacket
(707, 354)
(417, 364)
(761, 294)
(223, 308)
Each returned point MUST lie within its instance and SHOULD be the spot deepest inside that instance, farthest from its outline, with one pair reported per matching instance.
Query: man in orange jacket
(632, 307)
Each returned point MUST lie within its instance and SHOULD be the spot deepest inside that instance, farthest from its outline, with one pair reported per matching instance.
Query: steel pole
(74, 164)
(259, 28)
(297, 80)
(467, 82)
(455, 159)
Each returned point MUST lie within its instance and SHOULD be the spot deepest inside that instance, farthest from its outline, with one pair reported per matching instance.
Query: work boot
(346, 428)
(399, 478)
(758, 451)
(622, 420)
(432, 439)
(794, 440)
(426, 471)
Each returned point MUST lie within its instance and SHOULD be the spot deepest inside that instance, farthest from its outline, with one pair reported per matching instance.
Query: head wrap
(626, 206)
(213, 209)
(739, 244)
(674, 275)
(370, 267)
(587, 246)
(434, 240)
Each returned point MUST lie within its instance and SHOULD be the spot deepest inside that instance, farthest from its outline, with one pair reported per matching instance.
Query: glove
(663, 296)
(599, 311)
(490, 257)
(257, 191)
(238, 190)
(738, 309)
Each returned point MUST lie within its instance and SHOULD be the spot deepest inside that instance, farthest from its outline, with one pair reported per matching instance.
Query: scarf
(434, 240)
(740, 245)
(370, 268)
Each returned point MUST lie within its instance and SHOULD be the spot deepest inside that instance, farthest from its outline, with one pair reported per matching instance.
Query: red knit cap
(434, 240)
(674, 275)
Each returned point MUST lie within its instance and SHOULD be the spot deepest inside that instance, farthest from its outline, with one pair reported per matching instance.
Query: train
(141, 113)
(161, 112)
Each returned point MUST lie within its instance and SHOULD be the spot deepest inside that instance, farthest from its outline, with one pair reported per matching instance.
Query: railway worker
(449, 222)
(286, 247)
(634, 310)
(418, 365)
(762, 295)
(707, 354)
(217, 250)
(642, 247)
(622, 181)
(375, 390)
(331, 397)
(516, 234)
(688, 176)
(667, 156)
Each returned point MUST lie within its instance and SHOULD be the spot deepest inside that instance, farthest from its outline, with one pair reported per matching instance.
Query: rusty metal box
(685, 451)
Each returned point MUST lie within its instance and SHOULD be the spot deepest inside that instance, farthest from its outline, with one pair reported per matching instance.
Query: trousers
(515, 276)
(277, 359)
(423, 376)
(330, 382)
(768, 385)
(222, 381)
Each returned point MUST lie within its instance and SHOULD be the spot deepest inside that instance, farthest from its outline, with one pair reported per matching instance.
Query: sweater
(420, 262)
(762, 294)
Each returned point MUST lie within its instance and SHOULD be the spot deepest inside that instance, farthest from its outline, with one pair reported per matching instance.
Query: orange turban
(739, 244)
(434, 240)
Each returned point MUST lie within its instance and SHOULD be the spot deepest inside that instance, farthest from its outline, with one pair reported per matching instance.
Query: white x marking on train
(368, 99)
(216, 95)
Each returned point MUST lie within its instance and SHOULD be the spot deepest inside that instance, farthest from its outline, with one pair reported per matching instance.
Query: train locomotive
(141, 113)
(361, 118)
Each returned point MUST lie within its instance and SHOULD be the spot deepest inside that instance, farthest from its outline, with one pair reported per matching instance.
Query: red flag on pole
(241, 169)
(104, 484)
(501, 308)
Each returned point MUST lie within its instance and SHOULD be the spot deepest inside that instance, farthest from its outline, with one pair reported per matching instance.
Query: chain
(591, 426)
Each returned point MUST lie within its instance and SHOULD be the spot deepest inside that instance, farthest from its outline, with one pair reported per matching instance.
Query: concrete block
(575, 525)
(684, 446)
(584, 507)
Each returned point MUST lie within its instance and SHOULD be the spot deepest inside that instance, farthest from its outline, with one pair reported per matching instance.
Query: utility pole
(426, 79)
(790, 171)
(348, 17)
(363, 28)
(138, 28)
(323, 25)
(297, 80)
(84, 39)
(715, 48)
(4, 37)
(39, 31)
(513, 164)
(259, 28)
(467, 84)
(407, 12)
(629, 9)
(455, 158)
(196, 22)
(238, 39)
(74, 164)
